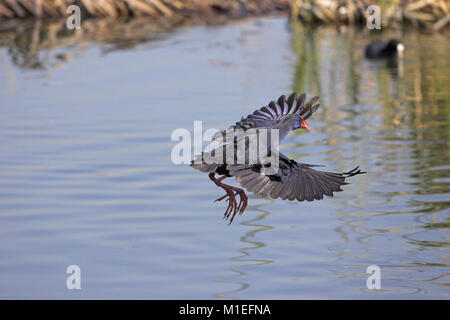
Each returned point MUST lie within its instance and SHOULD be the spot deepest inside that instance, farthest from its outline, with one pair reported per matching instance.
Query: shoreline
(424, 14)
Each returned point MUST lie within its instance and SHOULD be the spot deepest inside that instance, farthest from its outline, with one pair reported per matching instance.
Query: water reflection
(244, 258)
(395, 116)
(391, 117)
(36, 44)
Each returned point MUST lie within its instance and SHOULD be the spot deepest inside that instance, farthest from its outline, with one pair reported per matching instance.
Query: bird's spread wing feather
(270, 115)
(292, 181)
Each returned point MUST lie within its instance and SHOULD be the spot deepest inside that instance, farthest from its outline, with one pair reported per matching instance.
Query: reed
(433, 14)
(151, 8)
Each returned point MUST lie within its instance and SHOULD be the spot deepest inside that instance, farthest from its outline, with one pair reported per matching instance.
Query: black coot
(381, 49)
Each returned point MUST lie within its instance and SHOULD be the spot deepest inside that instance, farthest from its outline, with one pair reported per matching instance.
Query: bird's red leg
(231, 193)
(232, 205)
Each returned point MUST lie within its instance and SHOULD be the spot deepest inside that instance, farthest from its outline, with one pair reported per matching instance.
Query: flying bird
(290, 179)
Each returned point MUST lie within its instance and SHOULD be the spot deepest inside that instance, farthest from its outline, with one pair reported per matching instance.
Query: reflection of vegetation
(402, 106)
(29, 43)
(438, 225)
(307, 67)
(301, 68)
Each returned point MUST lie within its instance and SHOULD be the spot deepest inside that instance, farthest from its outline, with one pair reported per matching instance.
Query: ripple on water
(86, 176)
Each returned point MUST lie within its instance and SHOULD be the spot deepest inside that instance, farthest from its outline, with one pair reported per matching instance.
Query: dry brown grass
(433, 14)
(151, 8)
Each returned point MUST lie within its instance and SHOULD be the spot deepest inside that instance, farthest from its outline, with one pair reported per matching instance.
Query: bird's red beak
(304, 124)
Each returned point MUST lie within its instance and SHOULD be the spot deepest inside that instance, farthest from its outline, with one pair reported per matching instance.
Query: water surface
(86, 176)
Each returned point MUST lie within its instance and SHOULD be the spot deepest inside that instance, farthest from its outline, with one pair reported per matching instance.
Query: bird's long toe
(232, 207)
(243, 202)
(221, 198)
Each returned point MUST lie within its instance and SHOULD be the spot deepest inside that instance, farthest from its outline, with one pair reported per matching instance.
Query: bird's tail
(353, 172)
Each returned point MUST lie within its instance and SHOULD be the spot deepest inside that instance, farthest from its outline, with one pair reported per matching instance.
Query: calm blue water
(86, 177)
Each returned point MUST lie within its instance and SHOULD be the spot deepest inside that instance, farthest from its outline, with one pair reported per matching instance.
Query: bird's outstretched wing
(292, 181)
(270, 115)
